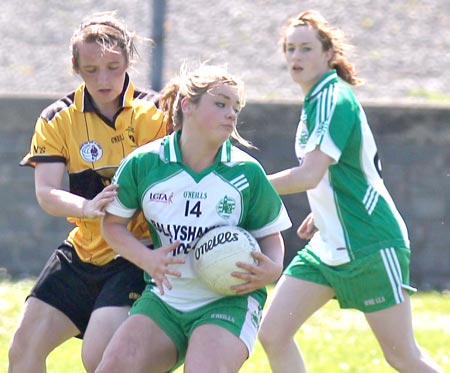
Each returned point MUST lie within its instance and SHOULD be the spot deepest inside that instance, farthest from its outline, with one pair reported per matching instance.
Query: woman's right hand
(156, 262)
(157, 265)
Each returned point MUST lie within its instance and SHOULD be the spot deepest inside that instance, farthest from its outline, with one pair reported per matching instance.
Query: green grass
(432, 96)
(331, 341)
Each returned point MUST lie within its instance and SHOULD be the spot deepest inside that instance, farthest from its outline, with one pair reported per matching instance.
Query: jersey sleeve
(334, 125)
(126, 202)
(47, 144)
(266, 213)
(342, 123)
(153, 127)
(341, 127)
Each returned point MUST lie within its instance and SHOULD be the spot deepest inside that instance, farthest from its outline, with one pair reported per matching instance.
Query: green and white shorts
(369, 283)
(240, 314)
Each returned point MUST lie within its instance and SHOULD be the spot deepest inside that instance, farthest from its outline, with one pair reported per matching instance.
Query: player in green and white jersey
(360, 251)
(190, 182)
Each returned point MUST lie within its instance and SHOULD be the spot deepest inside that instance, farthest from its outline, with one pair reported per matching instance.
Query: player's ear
(186, 105)
(74, 65)
(329, 55)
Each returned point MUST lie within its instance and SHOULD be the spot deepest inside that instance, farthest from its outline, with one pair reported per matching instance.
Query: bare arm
(270, 265)
(154, 262)
(55, 201)
(304, 177)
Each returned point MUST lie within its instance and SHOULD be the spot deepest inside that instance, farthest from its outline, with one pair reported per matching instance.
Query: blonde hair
(330, 38)
(192, 84)
(109, 32)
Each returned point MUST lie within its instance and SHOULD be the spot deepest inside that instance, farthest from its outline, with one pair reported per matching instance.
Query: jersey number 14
(194, 210)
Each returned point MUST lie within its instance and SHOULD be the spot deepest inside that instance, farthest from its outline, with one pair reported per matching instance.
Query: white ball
(215, 255)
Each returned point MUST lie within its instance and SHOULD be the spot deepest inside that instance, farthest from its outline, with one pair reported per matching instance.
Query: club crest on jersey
(303, 133)
(225, 207)
(301, 137)
(91, 151)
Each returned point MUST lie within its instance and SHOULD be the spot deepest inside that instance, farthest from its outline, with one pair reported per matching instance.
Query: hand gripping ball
(216, 253)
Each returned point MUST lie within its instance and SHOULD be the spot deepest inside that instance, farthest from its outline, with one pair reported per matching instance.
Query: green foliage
(331, 341)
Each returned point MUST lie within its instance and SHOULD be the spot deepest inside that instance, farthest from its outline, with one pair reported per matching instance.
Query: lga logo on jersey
(161, 197)
(91, 151)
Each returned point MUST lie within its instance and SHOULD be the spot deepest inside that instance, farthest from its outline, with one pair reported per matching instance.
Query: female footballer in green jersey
(360, 252)
(86, 289)
(190, 182)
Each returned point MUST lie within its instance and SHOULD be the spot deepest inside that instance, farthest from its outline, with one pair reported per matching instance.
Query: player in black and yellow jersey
(85, 289)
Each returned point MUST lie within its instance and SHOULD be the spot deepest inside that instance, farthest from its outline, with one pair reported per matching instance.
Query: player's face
(215, 115)
(103, 72)
(306, 60)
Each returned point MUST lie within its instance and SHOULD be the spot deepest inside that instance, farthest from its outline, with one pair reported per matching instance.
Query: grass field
(332, 340)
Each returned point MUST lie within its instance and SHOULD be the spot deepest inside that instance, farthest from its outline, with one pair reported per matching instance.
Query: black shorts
(77, 288)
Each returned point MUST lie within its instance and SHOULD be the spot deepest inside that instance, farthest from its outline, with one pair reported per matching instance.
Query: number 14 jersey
(180, 204)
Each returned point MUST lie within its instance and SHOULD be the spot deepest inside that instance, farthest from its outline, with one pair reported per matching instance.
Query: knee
(264, 336)
(23, 354)
(105, 365)
(102, 368)
(113, 360)
(109, 365)
(402, 361)
(92, 351)
(18, 347)
(269, 337)
(398, 362)
(394, 361)
(90, 360)
(14, 353)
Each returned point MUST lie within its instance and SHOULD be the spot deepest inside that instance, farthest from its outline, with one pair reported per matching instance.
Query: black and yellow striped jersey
(72, 131)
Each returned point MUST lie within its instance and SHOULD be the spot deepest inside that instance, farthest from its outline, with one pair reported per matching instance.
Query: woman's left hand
(256, 276)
